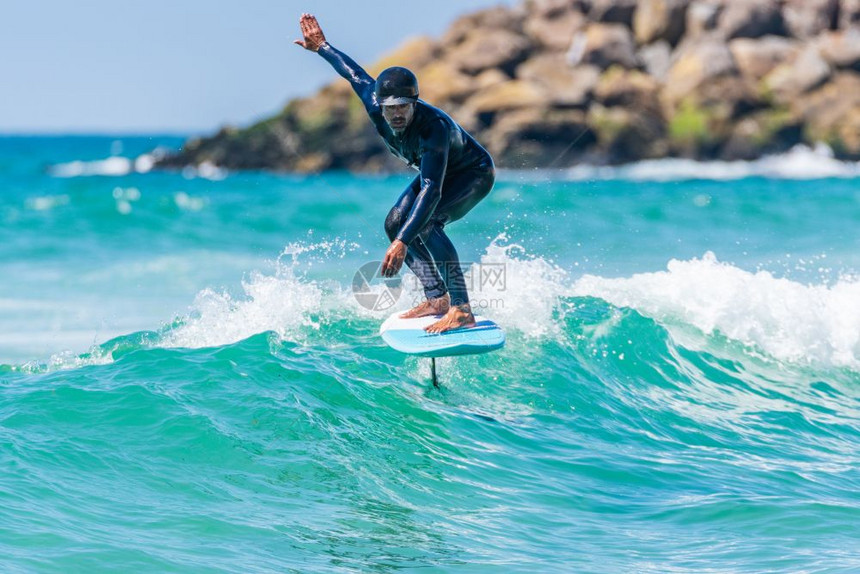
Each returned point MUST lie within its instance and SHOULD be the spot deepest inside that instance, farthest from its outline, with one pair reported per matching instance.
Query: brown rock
(564, 86)
(847, 140)
(808, 18)
(553, 8)
(802, 73)
(629, 88)
(660, 20)
(495, 48)
(413, 53)
(849, 14)
(657, 59)
(603, 45)
(497, 18)
(441, 82)
(555, 32)
(703, 17)
(509, 95)
(624, 135)
(841, 49)
(751, 19)
(727, 98)
(756, 58)
(764, 132)
(547, 8)
(696, 64)
(613, 11)
(831, 114)
(539, 137)
(490, 78)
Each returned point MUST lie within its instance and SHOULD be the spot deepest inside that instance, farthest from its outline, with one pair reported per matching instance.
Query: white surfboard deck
(409, 336)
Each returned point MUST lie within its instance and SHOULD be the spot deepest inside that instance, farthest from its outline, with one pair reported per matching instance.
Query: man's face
(398, 116)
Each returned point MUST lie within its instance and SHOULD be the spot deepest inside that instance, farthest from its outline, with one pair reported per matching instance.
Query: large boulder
(413, 53)
(703, 16)
(764, 132)
(565, 86)
(441, 82)
(660, 20)
(509, 95)
(656, 58)
(539, 137)
(727, 99)
(625, 135)
(803, 72)
(757, 58)
(554, 32)
(808, 18)
(841, 49)
(751, 19)
(604, 45)
(551, 8)
(497, 18)
(701, 123)
(613, 11)
(628, 88)
(484, 49)
(832, 114)
(849, 14)
(696, 64)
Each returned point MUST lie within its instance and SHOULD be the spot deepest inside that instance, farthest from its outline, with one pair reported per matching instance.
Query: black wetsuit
(455, 174)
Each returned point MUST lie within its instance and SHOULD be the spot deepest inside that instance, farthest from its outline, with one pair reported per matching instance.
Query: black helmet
(396, 86)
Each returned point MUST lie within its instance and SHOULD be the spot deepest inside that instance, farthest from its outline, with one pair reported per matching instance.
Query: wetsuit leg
(418, 257)
(463, 191)
(432, 256)
(460, 193)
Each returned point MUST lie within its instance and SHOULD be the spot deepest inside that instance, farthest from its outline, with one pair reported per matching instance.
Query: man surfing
(455, 173)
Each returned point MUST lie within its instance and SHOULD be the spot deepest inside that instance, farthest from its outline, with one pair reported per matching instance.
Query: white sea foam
(47, 203)
(801, 162)
(285, 302)
(119, 166)
(114, 165)
(790, 321)
(111, 166)
(516, 289)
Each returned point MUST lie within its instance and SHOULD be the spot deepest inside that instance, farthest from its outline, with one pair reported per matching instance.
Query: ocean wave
(816, 325)
(787, 320)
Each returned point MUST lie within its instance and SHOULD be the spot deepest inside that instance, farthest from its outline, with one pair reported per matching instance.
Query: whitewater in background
(187, 381)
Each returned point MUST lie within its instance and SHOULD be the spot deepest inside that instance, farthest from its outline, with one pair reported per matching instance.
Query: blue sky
(182, 65)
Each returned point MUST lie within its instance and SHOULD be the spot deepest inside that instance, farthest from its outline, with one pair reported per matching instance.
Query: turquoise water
(187, 382)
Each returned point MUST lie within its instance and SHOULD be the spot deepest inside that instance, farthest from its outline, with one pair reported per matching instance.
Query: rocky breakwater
(550, 83)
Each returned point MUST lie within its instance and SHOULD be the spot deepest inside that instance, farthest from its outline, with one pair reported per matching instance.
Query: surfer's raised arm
(314, 40)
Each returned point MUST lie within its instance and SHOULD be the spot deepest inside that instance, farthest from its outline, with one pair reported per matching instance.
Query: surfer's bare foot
(429, 307)
(457, 317)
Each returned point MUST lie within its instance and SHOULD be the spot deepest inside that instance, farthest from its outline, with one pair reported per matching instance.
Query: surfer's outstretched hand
(394, 257)
(313, 34)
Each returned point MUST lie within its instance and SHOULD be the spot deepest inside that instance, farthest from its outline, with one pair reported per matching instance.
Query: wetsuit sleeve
(362, 82)
(434, 161)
